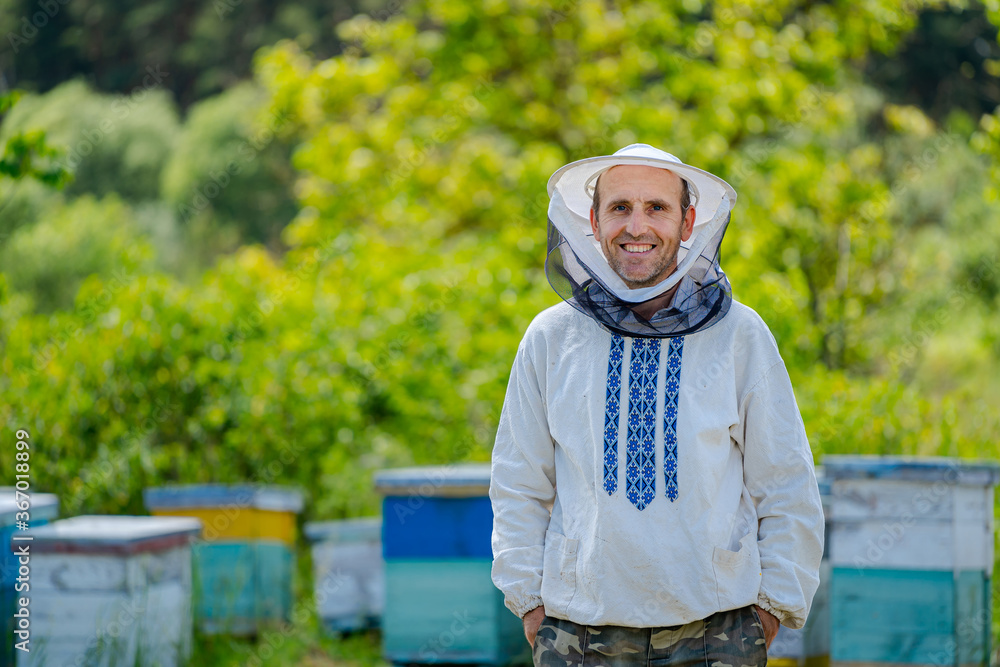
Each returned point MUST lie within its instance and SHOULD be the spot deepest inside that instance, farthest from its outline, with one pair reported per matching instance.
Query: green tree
(200, 48)
(231, 164)
(111, 144)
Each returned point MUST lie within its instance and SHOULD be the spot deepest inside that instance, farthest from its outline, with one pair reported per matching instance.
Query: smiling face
(640, 224)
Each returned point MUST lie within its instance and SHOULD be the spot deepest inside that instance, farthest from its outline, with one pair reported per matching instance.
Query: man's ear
(594, 226)
(687, 226)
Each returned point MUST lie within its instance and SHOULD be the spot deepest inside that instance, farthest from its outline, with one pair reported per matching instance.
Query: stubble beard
(655, 274)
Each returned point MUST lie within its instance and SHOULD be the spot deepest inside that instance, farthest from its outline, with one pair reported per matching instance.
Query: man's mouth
(637, 248)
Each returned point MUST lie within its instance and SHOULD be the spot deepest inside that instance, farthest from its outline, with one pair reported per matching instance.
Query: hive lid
(121, 535)
(367, 529)
(43, 506)
(457, 480)
(926, 469)
(185, 496)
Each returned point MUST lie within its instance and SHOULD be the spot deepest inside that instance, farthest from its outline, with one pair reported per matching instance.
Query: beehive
(911, 550)
(44, 507)
(810, 646)
(244, 561)
(348, 572)
(441, 605)
(111, 590)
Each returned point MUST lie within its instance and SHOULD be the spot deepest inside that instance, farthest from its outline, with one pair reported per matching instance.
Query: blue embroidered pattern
(673, 385)
(640, 462)
(612, 410)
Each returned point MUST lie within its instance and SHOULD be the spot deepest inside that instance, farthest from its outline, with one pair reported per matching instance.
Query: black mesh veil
(703, 295)
(580, 273)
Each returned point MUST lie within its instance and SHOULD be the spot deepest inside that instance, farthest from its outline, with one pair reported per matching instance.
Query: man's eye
(619, 207)
(657, 207)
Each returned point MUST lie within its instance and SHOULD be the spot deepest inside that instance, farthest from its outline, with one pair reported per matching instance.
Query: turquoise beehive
(441, 605)
(244, 561)
(911, 551)
(809, 646)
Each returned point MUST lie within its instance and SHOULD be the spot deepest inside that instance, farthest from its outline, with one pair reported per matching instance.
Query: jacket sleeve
(780, 476)
(522, 487)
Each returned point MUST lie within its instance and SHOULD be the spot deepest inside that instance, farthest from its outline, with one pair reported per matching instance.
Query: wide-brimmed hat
(571, 192)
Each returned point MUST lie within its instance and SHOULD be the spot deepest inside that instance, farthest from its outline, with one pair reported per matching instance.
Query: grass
(306, 645)
(304, 642)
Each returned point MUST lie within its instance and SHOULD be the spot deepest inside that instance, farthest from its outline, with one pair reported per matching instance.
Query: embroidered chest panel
(643, 405)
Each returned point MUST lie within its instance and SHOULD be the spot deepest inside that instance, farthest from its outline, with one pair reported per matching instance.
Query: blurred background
(239, 228)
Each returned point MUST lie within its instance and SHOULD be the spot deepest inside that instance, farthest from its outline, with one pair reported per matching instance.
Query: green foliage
(230, 163)
(203, 47)
(385, 335)
(49, 260)
(949, 61)
(27, 158)
(111, 144)
(865, 231)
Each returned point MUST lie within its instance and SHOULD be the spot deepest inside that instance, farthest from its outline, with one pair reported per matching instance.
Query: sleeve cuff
(523, 605)
(765, 603)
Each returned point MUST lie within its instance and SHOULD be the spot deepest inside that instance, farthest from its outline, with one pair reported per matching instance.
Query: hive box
(911, 550)
(111, 590)
(348, 572)
(44, 507)
(244, 561)
(810, 646)
(441, 605)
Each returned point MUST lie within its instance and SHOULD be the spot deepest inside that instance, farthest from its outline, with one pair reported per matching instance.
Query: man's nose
(638, 223)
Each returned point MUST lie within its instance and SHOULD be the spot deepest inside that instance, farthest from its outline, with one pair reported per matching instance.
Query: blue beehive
(44, 507)
(911, 550)
(245, 560)
(441, 604)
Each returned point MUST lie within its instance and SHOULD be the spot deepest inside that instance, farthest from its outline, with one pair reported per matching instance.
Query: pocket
(735, 637)
(737, 573)
(558, 572)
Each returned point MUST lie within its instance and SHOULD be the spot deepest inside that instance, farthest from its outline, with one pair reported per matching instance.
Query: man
(653, 490)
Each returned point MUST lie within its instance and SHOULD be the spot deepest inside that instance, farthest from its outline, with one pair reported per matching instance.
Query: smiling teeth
(632, 247)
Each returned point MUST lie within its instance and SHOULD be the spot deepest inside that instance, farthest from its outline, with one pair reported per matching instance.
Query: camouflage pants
(727, 639)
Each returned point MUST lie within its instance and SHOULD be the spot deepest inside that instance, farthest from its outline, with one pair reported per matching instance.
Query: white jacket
(746, 526)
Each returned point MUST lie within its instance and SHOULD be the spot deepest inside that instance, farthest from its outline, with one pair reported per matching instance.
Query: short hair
(685, 196)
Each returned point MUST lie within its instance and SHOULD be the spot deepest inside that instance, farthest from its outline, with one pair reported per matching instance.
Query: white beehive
(348, 571)
(111, 590)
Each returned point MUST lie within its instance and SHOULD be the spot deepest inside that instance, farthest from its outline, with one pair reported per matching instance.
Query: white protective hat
(573, 270)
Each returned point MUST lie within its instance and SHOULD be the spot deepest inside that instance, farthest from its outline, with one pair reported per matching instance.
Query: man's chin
(637, 280)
